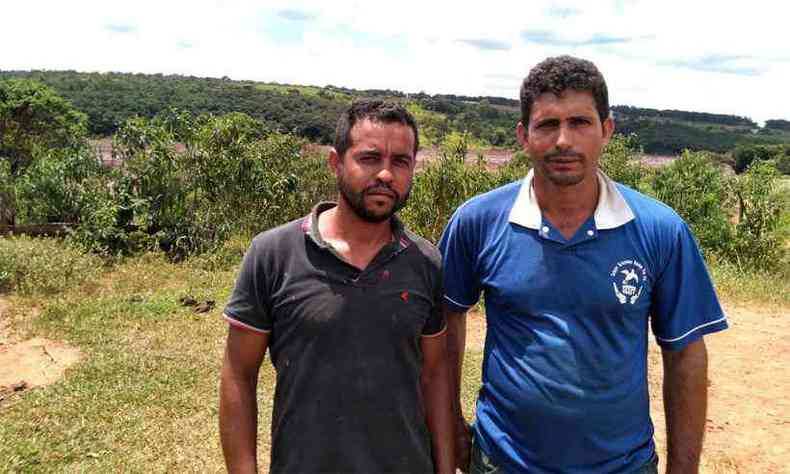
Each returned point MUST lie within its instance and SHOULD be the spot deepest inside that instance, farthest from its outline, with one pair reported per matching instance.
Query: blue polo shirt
(565, 363)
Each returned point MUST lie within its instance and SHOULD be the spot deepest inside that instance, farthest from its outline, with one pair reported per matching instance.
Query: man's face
(565, 137)
(375, 174)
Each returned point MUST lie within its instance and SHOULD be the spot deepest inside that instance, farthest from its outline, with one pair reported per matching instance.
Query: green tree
(32, 117)
(34, 121)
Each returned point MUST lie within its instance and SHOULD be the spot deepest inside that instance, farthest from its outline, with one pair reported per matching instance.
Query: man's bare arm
(456, 345)
(435, 380)
(238, 405)
(685, 405)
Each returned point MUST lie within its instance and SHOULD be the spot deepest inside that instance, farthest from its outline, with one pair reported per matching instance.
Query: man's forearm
(238, 422)
(685, 405)
(456, 345)
(436, 393)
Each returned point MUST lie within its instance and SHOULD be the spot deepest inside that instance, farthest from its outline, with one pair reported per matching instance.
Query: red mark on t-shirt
(404, 296)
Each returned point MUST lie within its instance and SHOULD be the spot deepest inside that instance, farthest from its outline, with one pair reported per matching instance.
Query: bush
(187, 184)
(442, 186)
(619, 161)
(43, 266)
(694, 187)
(757, 240)
(51, 190)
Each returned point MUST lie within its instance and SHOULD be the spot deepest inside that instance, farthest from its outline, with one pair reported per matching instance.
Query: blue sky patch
(486, 44)
(551, 39)
(120, 28)
(717, 63)
(295, 15)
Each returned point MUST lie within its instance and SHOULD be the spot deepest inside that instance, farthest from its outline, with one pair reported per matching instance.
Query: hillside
(109, 99)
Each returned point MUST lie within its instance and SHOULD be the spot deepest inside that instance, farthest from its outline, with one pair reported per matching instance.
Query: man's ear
(521, 134)
(334, 161)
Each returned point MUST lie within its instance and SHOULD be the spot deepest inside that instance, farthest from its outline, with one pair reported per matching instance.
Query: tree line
(110, 99)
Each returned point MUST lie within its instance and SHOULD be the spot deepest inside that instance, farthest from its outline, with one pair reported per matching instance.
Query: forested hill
(110, 98)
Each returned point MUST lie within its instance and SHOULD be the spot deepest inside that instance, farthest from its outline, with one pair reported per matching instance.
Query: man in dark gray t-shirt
(349, 303)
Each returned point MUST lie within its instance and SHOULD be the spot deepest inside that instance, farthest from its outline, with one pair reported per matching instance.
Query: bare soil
(26, 364)
(748, 428)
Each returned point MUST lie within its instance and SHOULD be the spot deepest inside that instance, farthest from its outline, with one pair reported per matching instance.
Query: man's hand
(238, 406)
(685, 404)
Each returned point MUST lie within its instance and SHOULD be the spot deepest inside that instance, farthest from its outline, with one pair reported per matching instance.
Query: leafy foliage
(33, 117)
(187, 184)
(745, 155)
(757, 239)
(619, 161)
(694, 187)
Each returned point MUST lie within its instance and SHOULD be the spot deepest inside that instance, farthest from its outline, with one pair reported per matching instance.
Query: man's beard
(561, 179)
(356, 200)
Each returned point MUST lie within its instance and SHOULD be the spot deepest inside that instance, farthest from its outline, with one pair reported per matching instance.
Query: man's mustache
(381, 188)
(557, 155)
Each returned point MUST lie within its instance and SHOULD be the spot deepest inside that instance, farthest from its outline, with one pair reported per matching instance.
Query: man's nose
(385, 173)
(564, 139)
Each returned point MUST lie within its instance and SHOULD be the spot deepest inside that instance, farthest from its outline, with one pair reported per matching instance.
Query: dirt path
(748, 428)
(25, 364)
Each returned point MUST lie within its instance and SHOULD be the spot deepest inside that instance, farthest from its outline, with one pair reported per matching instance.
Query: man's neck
(566, 207)
(356, 240)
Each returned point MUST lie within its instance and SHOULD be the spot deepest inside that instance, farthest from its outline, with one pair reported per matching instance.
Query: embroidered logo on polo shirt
(404, 295)
(628, 280)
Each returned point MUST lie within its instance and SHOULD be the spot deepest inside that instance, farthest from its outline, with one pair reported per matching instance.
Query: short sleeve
(248, 304)
(684, 306)
(435, 324)
(461, 279)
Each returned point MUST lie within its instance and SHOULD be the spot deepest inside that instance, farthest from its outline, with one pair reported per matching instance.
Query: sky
(695, 55)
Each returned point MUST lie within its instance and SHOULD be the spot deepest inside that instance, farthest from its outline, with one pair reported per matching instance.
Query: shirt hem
(241, 325)
(692, 335)
(438, 333)
(456, 306)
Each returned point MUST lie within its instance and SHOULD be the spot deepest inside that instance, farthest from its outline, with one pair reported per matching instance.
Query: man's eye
(547, 125)
(404, 162)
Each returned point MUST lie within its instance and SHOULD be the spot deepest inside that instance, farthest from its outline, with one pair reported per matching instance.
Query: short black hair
(557, 74)
(375, 110)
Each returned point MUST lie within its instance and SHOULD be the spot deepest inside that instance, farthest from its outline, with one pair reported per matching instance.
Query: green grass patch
(43, 266)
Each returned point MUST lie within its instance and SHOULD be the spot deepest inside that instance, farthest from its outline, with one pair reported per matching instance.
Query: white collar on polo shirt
(612, 211)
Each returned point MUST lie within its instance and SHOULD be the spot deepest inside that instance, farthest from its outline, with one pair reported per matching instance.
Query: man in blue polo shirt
(573, 267)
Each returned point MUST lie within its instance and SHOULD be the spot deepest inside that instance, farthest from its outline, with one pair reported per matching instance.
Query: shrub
(43, 265)
(442, 186)
(619, 161)
(694, 187)
(757, 240)
(51, 190)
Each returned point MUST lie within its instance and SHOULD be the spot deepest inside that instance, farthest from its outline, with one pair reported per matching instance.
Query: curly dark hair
(557, 74)
(375, 110)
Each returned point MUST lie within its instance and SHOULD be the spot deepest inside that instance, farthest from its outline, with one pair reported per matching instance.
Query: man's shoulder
(425, 248)
(648, 210)
(277, 237)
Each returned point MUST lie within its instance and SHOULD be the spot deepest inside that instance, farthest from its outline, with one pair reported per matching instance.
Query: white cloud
(673, 54)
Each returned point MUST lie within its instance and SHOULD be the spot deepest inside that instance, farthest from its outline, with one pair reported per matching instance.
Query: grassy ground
(144, 396)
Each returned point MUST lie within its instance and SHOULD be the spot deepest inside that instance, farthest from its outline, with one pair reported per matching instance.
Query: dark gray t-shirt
(345, 345)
